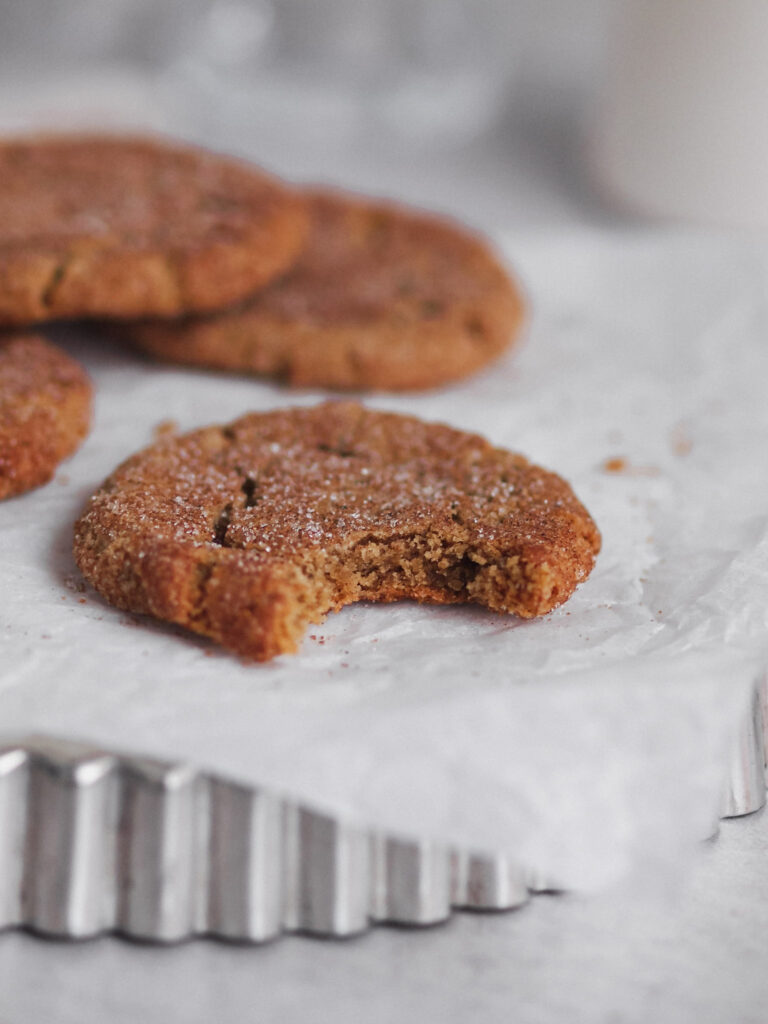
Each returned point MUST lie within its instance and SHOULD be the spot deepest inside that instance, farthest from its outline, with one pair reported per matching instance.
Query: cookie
(380, 297)
(130, 226)
(45, 411)
(249, 532)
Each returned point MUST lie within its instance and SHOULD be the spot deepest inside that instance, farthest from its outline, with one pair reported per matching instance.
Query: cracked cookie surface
(248, 533)
(380, 297)
(45, 411)
(96, 225)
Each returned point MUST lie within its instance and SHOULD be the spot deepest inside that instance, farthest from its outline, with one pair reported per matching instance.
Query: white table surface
(696, 952)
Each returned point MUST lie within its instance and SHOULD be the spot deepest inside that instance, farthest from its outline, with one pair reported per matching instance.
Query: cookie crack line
(48, 295)
(250, 532)
(250, 490)
(223, 518)
(221, 525)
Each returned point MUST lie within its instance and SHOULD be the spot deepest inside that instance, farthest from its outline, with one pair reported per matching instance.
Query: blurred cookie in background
(45, 411)
(99, 225)
(381, 297)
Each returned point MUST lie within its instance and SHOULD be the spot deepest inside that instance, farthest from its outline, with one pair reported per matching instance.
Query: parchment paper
(588, 743)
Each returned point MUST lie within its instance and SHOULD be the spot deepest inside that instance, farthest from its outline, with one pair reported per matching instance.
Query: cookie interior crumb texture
(381, 297)
(45, 411)
(98, 225)
(248, 533)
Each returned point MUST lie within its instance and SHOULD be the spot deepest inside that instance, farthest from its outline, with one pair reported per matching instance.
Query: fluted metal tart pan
(94, 841)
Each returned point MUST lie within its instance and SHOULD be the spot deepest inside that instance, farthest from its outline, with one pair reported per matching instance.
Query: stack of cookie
(203, 260)
(107, 227)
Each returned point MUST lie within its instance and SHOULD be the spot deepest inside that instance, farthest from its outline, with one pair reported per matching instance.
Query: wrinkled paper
(587, 743)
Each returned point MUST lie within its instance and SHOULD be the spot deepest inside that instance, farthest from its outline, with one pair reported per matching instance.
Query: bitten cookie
(247, 533)
(45, 411)
(381, 297)
(130, 226)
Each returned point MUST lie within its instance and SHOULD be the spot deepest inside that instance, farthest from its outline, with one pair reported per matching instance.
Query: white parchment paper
(587, 743)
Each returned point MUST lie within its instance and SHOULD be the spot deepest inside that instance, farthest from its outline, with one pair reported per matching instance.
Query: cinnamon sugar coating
(45, 411)
(249, 532)
(381, 297)
(97, 225)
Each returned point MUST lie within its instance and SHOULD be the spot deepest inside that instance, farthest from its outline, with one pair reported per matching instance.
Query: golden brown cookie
(130, 226)
(247, 533)
(45, 411)
(380, 298)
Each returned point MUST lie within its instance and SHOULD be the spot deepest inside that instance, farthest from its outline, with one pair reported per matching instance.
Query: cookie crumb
(165, 428)
(620, 464)
(680, 440)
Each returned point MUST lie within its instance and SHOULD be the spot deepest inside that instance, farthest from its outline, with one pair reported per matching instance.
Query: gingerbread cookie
(127, 227)
(247, 533)
(380, 298)
(45, 411)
